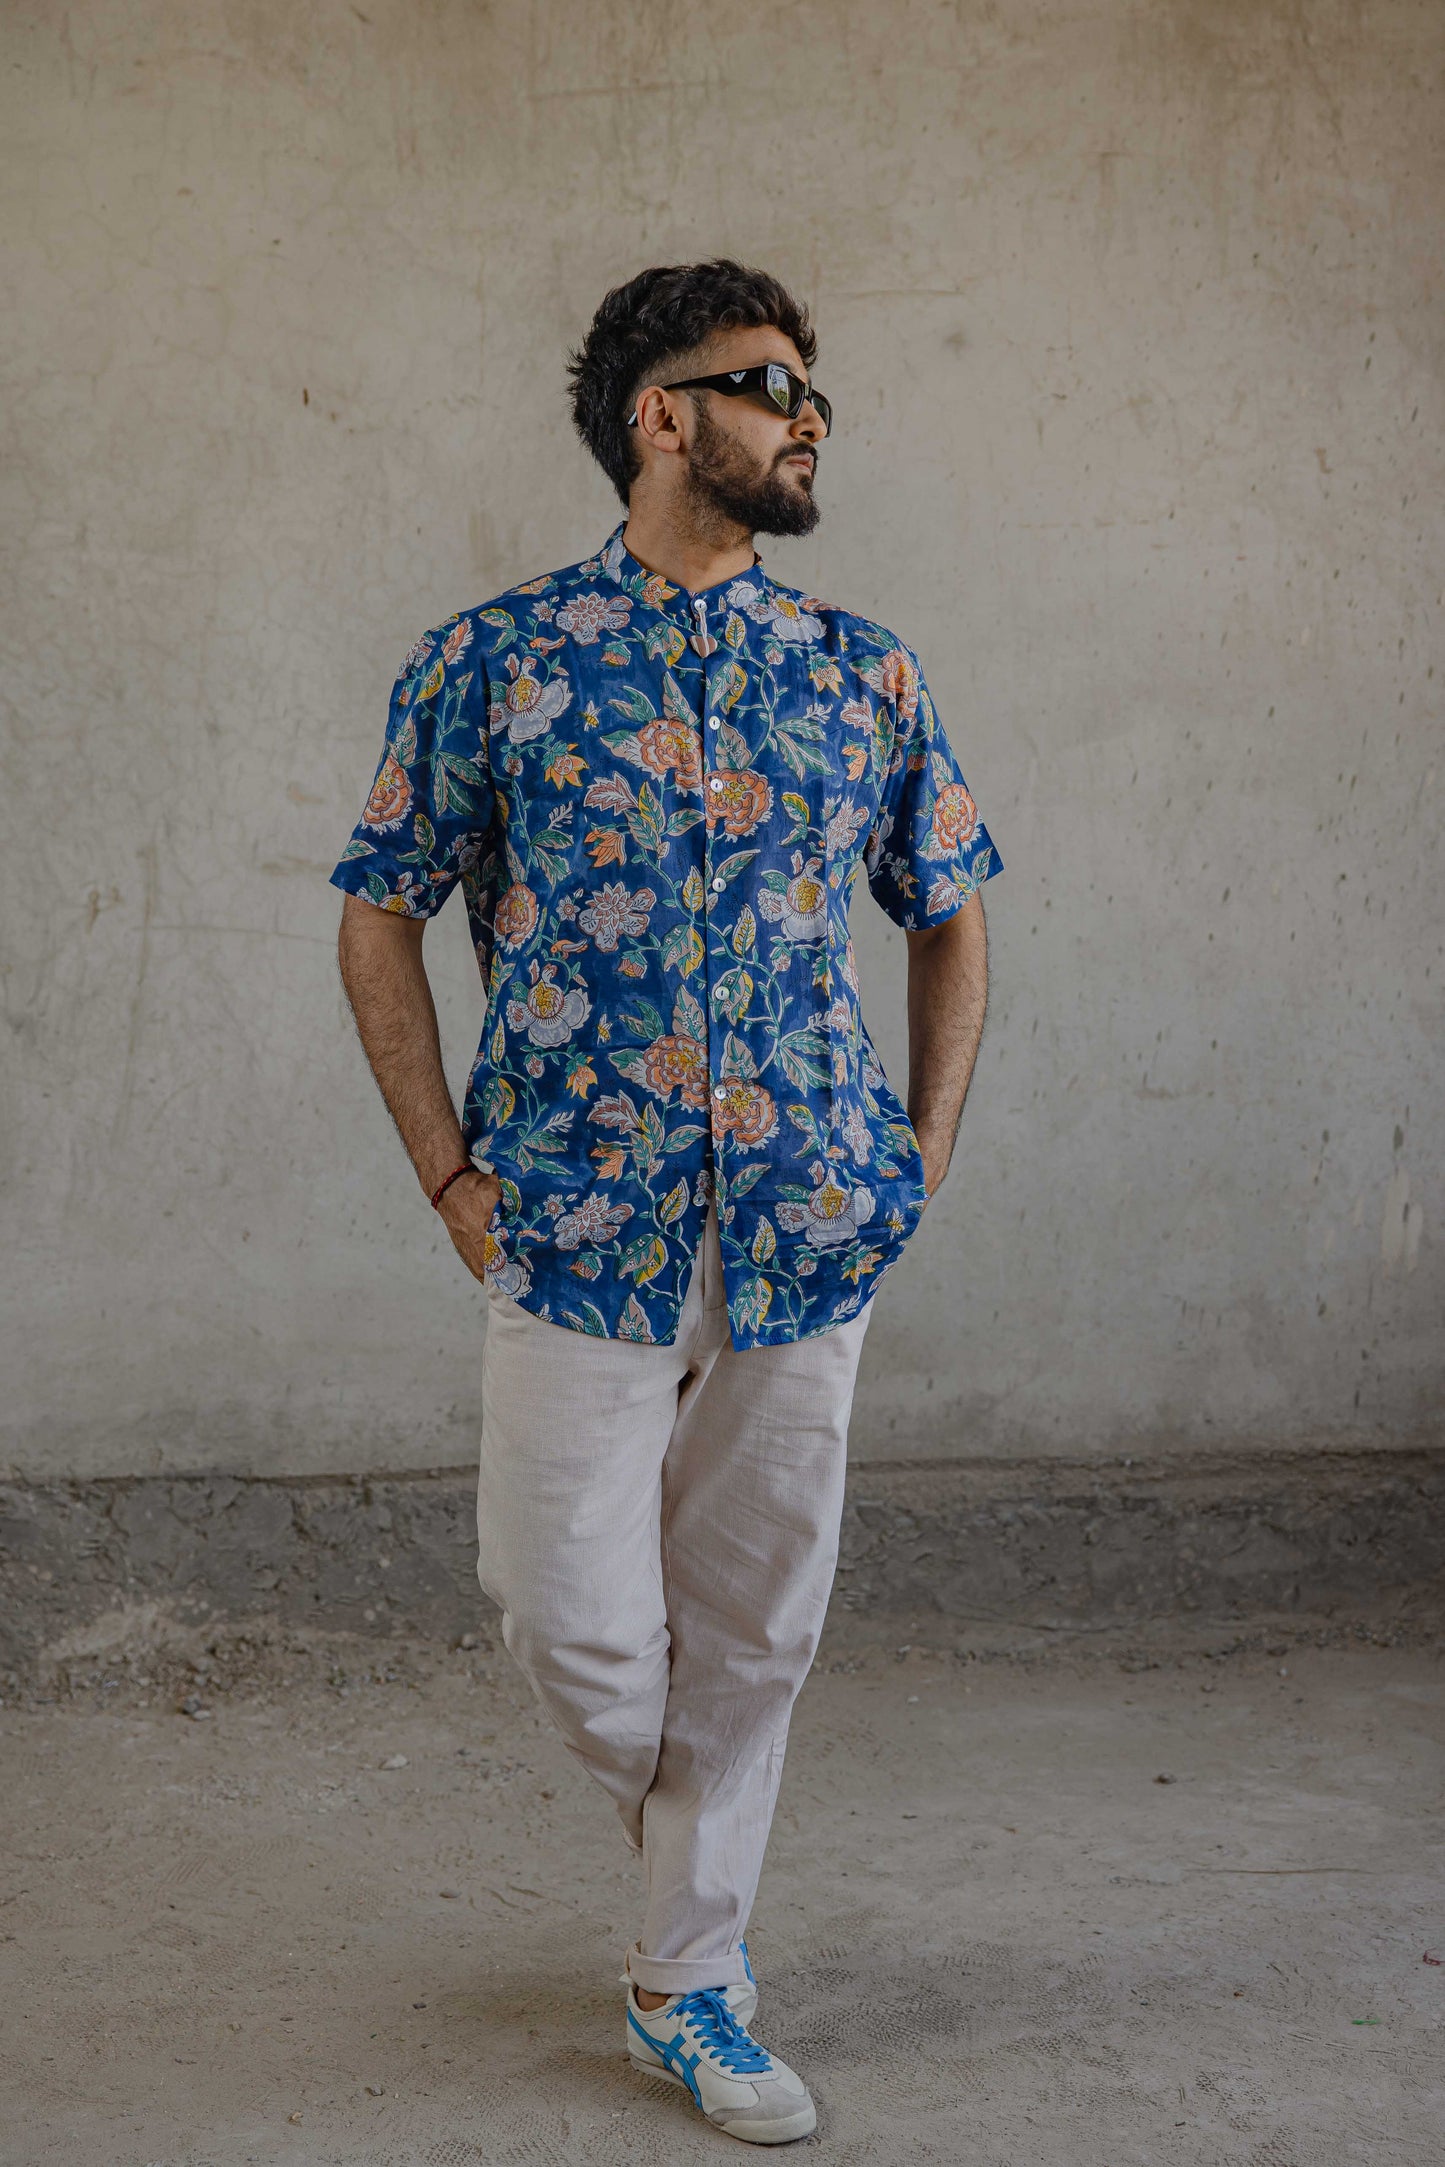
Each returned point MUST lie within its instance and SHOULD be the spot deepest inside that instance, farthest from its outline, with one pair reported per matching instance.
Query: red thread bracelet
(455, 1175)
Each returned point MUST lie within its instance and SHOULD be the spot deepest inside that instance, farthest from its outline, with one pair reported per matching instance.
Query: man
(681, 1172)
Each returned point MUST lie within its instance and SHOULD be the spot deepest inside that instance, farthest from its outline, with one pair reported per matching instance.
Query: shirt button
(714, 722)
(714, 782)
(718, 886)
(719, 1091)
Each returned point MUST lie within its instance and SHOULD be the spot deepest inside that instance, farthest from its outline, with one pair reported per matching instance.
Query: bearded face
(764, 496)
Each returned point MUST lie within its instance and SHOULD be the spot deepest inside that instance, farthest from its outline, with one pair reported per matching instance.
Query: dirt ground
(362, 1908)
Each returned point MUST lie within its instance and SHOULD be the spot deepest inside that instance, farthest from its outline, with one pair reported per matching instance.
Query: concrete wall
(1130, 310)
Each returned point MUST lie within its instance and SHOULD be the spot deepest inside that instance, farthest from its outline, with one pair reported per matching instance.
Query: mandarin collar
(618, 562)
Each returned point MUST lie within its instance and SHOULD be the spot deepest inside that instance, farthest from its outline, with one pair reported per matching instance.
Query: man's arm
(947, 994)
(386, 983)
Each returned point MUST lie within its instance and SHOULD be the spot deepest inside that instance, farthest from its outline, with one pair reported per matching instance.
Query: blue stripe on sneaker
(670, 2051)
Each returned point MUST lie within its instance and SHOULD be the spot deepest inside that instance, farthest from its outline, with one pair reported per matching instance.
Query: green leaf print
(674, 1204)
(677, 944)
(675, 703)
(803, 759)
(804, 1055)
(731, 867)
(688, 1020)
(649, 1138)
(647, 823)
(643, 1020)
(644, 1258)
(634, 703)
(732, 992)
(678, 1139)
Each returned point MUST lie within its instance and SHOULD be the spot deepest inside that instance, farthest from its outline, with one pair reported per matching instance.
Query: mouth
(804, 459)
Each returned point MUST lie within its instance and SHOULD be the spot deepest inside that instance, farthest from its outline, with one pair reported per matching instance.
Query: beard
(725, 485)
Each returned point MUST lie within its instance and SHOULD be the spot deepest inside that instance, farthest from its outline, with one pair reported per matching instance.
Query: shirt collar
(618, 562)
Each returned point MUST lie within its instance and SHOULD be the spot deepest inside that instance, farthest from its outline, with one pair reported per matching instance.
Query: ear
(658, 421)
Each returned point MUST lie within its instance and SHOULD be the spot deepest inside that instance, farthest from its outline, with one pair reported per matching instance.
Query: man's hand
(467, 1210)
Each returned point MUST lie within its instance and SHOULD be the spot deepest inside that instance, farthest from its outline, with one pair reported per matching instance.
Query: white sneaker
(742, 1997)
(695, 2040)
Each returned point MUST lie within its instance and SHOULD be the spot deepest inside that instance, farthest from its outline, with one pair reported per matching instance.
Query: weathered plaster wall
(1131, 312)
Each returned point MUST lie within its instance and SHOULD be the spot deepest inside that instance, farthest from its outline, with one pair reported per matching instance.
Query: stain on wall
(1130, 315)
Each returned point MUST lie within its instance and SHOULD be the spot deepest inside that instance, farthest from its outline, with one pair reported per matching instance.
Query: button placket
(711, 884)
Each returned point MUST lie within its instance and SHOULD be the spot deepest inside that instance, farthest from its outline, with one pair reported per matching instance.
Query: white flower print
(832, 1214)
(784, 617)
(801, 909)
(528, 709)
(549, 1015)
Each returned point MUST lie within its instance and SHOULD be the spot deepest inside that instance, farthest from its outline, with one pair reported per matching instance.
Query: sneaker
(741, 1997)
(696, 2041)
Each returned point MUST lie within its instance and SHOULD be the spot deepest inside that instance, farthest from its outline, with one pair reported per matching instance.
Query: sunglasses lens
(780, 387)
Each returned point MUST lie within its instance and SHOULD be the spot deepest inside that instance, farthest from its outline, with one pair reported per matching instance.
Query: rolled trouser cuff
(679, 1975)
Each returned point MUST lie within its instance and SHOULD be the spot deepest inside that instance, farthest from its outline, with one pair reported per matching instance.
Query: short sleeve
(430, 807)
(928, 850)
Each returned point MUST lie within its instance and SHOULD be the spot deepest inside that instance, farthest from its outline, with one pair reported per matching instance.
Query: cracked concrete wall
(1130, 312)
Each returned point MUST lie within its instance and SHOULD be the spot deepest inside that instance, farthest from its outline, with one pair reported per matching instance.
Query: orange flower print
(955, 816)
(738, 799)
(677, 1064)
(565, 772)
(668, 746)
(900, 682)
(457, 641)
(749, 1112)
(516, 915)
(390, 798)
(605, 846)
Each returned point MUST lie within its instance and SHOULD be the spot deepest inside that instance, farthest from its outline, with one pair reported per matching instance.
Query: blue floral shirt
(656, 804)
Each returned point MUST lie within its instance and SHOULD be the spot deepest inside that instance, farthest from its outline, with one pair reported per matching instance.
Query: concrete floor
(989, 1930)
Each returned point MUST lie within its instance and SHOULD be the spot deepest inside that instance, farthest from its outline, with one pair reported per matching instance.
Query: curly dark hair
(662, 317)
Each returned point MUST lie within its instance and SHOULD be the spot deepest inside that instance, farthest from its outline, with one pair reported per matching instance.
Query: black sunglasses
(784, 392)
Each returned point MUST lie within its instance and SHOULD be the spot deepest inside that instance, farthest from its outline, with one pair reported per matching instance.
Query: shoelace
(720, 2032)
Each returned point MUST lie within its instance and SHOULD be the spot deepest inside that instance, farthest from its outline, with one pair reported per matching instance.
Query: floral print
(656, 805)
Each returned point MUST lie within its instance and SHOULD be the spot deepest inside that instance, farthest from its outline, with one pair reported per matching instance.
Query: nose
(809, 424)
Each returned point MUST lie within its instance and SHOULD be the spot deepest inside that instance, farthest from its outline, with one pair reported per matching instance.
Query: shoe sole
(801, 2124)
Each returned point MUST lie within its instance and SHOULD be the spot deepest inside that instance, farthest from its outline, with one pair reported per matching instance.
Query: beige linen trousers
(659, 1527)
